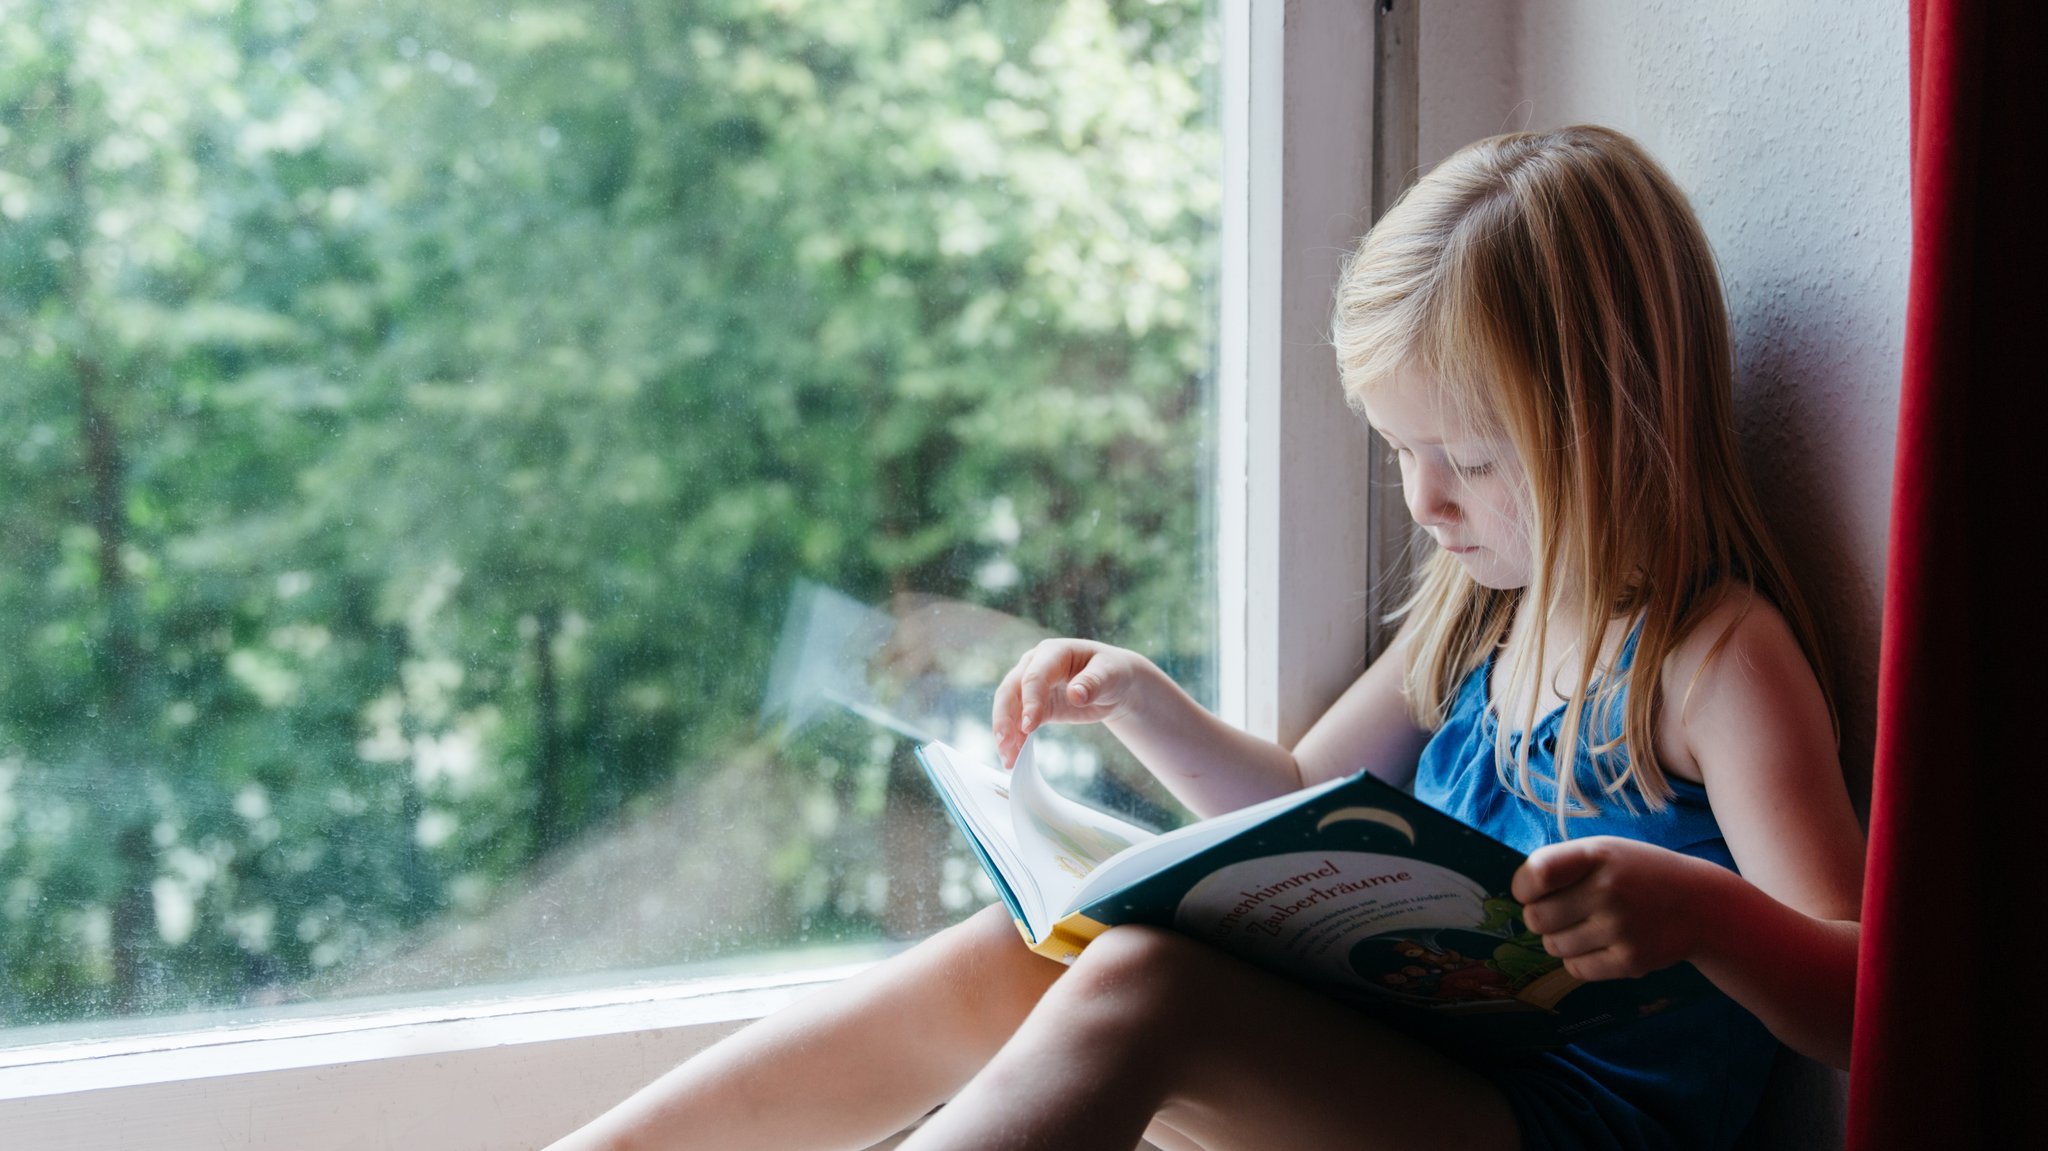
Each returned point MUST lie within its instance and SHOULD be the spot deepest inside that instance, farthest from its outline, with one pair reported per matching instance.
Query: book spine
(1067, 937)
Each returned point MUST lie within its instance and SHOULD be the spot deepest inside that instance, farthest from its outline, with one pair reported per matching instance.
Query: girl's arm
(1206, 763)
(1780, 938)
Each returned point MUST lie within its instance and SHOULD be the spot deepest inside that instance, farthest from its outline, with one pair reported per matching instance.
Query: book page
(1039, 845)
(1082, 836)
(1061, 841)
(979, 798)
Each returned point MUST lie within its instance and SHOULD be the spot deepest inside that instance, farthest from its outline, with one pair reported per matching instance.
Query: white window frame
(1305, 541)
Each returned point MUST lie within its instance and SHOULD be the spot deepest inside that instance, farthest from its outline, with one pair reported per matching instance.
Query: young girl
(1604, 664)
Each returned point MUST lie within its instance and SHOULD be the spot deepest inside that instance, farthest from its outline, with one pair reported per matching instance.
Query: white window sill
(509, 1073)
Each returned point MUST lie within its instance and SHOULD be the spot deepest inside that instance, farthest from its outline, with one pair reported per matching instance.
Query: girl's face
(1464, 486)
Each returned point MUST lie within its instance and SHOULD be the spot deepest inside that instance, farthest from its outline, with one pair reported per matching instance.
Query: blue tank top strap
(1457, 773)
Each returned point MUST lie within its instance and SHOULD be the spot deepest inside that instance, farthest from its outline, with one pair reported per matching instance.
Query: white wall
(1787, 124)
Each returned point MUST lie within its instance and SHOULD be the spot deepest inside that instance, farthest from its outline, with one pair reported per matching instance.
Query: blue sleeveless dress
(1688, 1078)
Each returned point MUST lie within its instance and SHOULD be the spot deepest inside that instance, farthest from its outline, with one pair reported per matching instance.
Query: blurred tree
(415, 419)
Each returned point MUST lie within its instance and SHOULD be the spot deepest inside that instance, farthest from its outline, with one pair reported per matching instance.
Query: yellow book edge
(1067, 937)
(1548, 988)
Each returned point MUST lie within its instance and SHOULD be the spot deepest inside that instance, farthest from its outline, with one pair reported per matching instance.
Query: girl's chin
(1486, 572)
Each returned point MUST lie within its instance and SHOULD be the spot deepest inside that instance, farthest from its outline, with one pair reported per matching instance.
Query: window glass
(494, 491)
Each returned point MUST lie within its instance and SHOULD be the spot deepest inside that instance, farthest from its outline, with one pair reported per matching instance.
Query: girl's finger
(1580, 939)
(1558, 911)
(1081, 689)
(1044, 684)
(1004, 713)
(1055, 681)
(1089, 686)
(1031, 692)
(1597, 964)
(1551, 869)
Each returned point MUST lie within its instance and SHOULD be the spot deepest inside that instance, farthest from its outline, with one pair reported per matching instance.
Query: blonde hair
(1560, 290)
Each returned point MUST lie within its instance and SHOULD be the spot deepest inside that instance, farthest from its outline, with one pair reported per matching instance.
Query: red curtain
(1952, 992)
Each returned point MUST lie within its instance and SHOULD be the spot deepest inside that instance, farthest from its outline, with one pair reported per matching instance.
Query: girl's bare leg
(847, 1066)
(1152, 1025)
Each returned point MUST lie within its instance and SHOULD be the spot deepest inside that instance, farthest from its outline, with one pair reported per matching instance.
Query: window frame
(1301, 529)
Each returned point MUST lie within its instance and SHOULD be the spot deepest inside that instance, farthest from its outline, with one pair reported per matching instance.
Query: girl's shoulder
(1745, 708)
(1729, 615)
(1738, 655)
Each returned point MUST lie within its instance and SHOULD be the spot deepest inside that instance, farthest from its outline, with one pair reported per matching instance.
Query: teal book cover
(1352, 887)
(1379, 900)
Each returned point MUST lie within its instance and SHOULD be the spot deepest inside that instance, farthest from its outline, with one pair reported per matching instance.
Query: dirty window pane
(493, 492)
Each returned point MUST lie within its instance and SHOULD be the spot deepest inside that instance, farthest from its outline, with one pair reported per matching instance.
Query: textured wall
(1787, 125)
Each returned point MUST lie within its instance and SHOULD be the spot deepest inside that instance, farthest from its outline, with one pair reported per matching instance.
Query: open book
(1353, 887)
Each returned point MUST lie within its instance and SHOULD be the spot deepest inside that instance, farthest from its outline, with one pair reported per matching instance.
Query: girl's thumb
(1083, 690)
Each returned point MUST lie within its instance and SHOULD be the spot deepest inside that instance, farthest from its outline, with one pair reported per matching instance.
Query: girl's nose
(1429, 497)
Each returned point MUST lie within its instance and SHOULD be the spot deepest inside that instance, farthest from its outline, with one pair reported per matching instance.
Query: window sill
(507, 1073)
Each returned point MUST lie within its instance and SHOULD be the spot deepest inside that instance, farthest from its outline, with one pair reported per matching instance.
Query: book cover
(1352, 887)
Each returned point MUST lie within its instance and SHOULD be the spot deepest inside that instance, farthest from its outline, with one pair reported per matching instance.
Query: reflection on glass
(432, 435)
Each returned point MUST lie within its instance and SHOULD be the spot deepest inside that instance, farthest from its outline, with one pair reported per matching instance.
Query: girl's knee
(1132, 1001)
(986, 939)
(987, 929)
(1130, 978)
(1136, 971)
(1136, 947)
(982, 962)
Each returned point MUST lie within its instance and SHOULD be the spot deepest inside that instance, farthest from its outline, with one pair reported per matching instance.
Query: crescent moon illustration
(1379, 815)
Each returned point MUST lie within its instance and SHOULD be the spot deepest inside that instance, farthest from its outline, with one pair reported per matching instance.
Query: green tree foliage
(413, 419)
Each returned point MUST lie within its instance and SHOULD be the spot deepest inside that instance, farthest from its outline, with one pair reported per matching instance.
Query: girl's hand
(1066, 681)
(1613, 908)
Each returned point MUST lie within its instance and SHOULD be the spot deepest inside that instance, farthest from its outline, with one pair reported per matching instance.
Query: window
(464, 457)
(519, 433)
